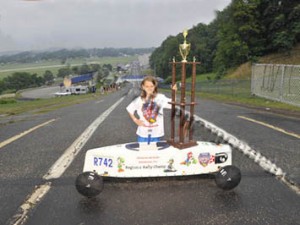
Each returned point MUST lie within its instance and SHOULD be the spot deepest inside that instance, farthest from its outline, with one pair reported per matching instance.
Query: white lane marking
(256, 156)
(29, 203)
(270, 126)
(12, 139)
(99, 101)
(59, 167)
(243, 147)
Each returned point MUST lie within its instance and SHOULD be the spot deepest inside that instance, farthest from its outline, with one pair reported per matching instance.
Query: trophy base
(182, 145)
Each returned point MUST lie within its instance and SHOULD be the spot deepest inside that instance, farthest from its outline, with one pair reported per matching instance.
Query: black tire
(89, 184)
(228, 177)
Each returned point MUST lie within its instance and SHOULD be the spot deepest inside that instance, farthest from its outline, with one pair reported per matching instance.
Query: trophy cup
(184, 48)
(183, 136)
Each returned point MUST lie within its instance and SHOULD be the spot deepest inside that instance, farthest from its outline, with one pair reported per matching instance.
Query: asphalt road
(261, 198)
(48, 92)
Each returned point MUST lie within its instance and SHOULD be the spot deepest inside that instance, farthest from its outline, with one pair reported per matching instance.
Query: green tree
(108, 66)
(65, 71)
(100, 76)
(48, 77)
(282, 22)
(2, 87)
(84, 69)
(239, 35)
(22, 80)
(162, 56)
(203, 45)
(248, 25)
(95, 67)
(75, 70)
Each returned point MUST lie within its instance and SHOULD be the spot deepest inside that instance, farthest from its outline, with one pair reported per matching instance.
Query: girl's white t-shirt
(151, 113)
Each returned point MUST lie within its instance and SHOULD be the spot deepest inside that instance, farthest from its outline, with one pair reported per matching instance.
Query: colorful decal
(221, 157)
(170, 167)
(121, 162)
(189, 160)
(206, 158)
(150, 111)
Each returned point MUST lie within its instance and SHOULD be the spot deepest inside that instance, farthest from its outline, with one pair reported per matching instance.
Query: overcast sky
(31, 25)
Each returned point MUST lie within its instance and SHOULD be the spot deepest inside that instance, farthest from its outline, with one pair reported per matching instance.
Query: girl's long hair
(154, 82)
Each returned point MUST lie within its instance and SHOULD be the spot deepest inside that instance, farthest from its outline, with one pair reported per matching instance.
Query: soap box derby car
(158, 159)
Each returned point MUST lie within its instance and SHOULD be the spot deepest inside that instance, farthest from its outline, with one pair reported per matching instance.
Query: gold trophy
(184, 48)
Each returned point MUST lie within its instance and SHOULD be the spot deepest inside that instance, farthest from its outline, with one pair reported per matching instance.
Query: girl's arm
(136, 120)
(174, 87)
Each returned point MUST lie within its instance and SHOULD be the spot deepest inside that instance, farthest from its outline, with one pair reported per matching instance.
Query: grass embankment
(252, 101)
(11, 106)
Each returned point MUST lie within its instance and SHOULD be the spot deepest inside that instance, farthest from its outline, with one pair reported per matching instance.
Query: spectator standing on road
(149, 108)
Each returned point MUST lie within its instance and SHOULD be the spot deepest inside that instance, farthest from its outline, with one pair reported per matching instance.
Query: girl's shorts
(148, 139)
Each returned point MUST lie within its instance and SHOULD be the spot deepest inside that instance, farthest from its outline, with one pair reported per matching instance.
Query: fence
(277, 82)
(226, 87)
(240, 88)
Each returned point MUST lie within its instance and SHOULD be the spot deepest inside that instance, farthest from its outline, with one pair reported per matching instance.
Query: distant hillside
(64, 54)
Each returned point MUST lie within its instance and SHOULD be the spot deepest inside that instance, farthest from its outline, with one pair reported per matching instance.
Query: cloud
(101, 23)
(6, 43)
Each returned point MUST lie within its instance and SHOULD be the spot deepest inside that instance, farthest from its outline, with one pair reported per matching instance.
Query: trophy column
(183, 138)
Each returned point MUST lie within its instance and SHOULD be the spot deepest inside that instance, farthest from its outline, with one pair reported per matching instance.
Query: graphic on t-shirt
(150, 111)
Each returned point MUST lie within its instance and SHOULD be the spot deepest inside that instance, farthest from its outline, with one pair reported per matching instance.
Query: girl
(149, 108)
